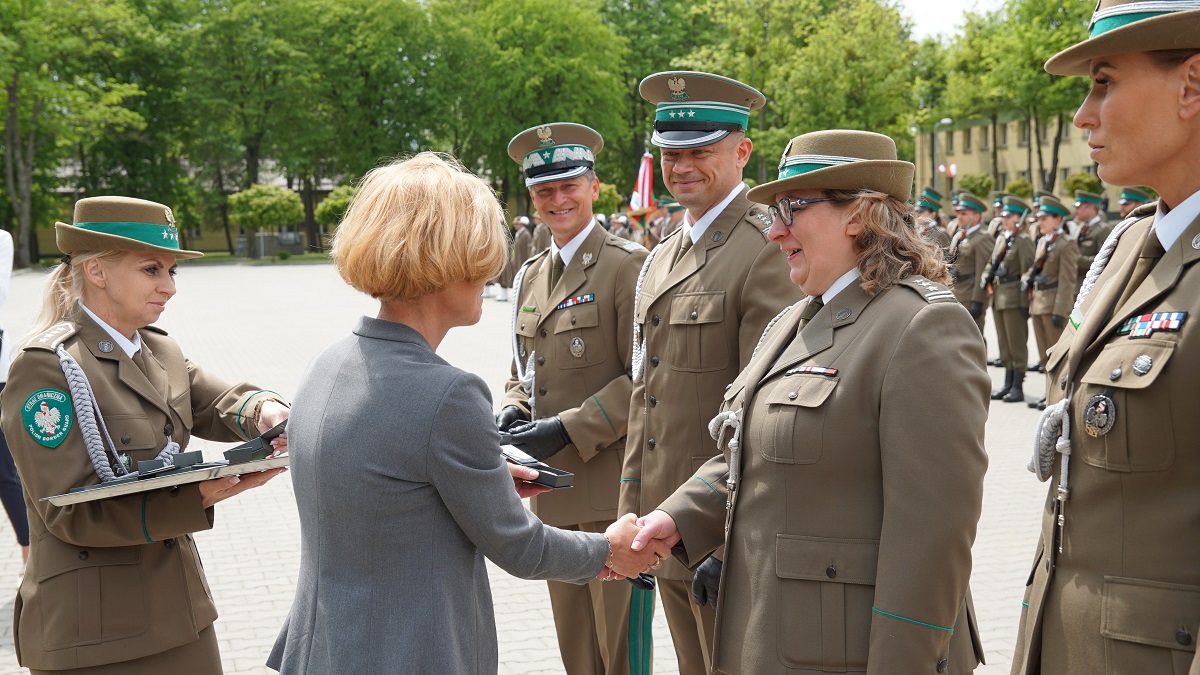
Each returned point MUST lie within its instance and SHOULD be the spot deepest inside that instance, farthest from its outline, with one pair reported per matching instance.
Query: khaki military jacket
(849, 508)
(579, 338)
(1006, 286)
(1123, 596)
(968, 257)
(541, 238)
(116, 579)
(701, 320)
(522, 248)
(1090, 238)
(1053, 287)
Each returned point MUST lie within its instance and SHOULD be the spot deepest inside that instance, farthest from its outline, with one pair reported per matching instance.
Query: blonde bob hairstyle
(418, 225)
(890, 247)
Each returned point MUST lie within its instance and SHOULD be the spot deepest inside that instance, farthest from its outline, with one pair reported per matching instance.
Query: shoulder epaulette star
(53, 336)
(931, 291)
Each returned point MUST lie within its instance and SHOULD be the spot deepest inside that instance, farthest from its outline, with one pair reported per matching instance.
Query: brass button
(541, 391)
(653, 401)
(831, 572)
(654, 319)
(651, 443)
(654, 361)
(83, 555)
(168, 428)
(126, 439)
(541, 360)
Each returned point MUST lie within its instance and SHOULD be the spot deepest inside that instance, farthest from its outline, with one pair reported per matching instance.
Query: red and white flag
(643, 192)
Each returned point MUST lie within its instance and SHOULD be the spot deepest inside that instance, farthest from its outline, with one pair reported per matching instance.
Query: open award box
(547, 475)
(183, 468)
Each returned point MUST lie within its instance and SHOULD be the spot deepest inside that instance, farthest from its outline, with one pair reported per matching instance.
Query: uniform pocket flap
(527, 323)
(1136, 363)
(1150, 613)
(1058, 350)
(809, 391)
(734, 390)
(56, 556)
(643, 307)
(133, 432)
(574, 318)
(692, 308)
(845, 561)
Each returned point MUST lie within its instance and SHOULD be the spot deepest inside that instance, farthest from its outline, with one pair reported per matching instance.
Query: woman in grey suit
(396, 460)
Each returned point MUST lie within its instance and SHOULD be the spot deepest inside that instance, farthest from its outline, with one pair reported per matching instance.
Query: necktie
(140, 362)
(1152, 250)
(684, 247)
(556, 270)
(810, 311)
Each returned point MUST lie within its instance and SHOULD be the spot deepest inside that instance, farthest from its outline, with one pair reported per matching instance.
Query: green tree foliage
(609, 200)
(261, 207)
(1020, 188)
(332, 209)
(977, 184)
(1082, 181)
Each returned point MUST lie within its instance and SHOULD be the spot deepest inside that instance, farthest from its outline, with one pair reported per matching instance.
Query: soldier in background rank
(1131, 198)
(968, 256)
(673, 221)
(705, 296)
(929, 218)
(522, 241)
(572, 310)
(1011, 257)
(1051, 280)
(1090, 230)
(541, 234)
(620, 227)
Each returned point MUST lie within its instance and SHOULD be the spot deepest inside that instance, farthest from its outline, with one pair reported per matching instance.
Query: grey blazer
(402, 492)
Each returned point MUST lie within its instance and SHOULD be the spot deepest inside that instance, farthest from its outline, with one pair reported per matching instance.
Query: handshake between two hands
(638, 545)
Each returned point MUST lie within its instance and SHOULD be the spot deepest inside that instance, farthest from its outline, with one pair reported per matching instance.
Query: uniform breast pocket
(579, 337)
(789, 418)
(697, 342)
(527, 329)
(134, 432)
(1123, 407)
(827, 588)
(88, 595)
(182, 405)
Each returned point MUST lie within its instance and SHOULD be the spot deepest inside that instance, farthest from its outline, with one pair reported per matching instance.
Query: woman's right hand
(219, 489)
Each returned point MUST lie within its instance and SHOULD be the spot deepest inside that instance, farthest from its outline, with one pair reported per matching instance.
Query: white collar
(568, 252)
(840, 285)
(1169, 226)
(707, 219)
(971, 230)
(130, 348)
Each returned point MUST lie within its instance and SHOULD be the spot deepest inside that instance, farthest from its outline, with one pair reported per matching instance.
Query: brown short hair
(418, 225)
(889, 246)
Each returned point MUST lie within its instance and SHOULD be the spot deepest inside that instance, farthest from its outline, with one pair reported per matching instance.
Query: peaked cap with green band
(121, 224)
(930, 199)
(555, 151)
(998, 198)
(1014, 205)
(1049, 205)
(839, 159)
(673, 207)
(1132, 194)
(1082, 197)
(966, 200)
(1120, 26)
(697, 109)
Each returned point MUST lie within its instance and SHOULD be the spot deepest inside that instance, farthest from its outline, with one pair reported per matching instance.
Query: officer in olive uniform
(929, 217)
(522, 242)
(1131, 198)
(705, 296)
(673, 222)
(970, 248)
(1011, 257)
(1090, 230)
(541, 234)
(1114, 584)
(1051, 280)
(571, 357)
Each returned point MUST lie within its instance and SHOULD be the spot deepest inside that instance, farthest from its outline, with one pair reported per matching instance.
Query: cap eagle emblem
(677, 85)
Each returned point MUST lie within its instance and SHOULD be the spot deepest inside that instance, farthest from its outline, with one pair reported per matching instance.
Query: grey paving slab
(264, 324)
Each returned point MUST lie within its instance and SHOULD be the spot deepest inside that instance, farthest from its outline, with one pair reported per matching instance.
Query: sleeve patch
(48, 416)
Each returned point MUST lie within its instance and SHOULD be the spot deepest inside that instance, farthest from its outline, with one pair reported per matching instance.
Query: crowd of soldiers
(1028, 264)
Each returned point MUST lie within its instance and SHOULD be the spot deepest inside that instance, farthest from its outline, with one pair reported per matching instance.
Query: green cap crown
(1132, 194)
(1050, 205)
(966, 200)
(1014, 205)
(1082, 197)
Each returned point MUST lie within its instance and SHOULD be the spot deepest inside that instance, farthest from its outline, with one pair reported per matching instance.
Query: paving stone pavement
(265, 323)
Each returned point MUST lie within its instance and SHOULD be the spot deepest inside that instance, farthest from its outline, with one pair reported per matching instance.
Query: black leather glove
(976, 310)
(541, 438)
(1025, 313)
(706, 581)
(510, 417)
(642, 581)
(1001, 271)
(1058, 320)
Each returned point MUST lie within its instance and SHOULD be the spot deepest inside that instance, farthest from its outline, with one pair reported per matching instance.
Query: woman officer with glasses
(851, 475)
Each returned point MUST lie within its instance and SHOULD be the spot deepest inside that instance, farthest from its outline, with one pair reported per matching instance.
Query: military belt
(1009, 279)
(1045, 287)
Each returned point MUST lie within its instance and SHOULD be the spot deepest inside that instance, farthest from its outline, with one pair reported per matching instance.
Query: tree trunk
(18, 167)
(996, 152)
(1058, 134)
(224, 208)
(1029, 152)
(253, 150)
(310, 218)
(933, 156)
(1037, 127)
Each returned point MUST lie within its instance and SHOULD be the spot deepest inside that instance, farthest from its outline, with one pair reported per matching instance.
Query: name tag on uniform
(1147, 324)
(577, 300)
(1076, 318)
(528, 308)
(813, 370)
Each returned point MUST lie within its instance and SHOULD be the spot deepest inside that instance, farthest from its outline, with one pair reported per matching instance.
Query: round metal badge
(1196, 242)
(105, 346)
(577, 347)
(843, 314)
(1142, 364)
(1100, 415)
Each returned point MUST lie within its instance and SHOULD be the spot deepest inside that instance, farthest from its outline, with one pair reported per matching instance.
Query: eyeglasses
(786, 208)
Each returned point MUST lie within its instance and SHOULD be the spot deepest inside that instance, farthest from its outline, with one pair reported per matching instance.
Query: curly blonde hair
(890, 247)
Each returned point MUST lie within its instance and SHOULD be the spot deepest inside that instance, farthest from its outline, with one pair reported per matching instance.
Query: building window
(949, 142)
(1045, 133)
(1066, 137)
(1003, 180)
(1003, 142)
(1066, 173)
(1024, 176)
(985, 137)
(1023, 131)
(966, 140)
